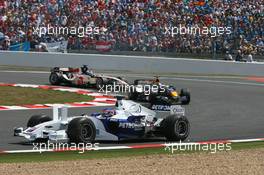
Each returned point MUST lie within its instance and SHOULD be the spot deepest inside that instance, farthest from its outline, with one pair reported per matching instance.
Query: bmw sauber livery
(128, 120)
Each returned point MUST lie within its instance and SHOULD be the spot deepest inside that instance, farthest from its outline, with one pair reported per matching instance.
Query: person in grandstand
(228, 57)
(239, 56)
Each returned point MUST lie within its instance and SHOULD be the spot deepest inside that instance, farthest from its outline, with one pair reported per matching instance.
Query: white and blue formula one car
(128, 120)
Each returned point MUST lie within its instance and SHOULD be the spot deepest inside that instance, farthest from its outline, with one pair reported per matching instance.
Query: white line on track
(167, 146)
(180, 76)
(30, 72)
(205, 80)
(218, 81)
(190, 78)
(134, 74)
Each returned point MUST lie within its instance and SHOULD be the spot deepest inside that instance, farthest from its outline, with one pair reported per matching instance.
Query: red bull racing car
(154, 92)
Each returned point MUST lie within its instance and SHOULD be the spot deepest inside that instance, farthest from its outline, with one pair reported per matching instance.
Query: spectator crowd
(138, 25)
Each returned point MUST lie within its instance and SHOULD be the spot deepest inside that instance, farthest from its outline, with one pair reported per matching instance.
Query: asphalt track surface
(221, 108)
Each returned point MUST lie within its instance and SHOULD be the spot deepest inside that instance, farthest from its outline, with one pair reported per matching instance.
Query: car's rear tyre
(146, 105)
(54, 79)
(136, 82)
(185, 96)
(175, 128)
(152, 98)
(81, 130)
(99, 83)
(132, 94)
(38, 119)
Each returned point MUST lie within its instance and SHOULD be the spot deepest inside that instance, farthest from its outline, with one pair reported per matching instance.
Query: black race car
(154, 92)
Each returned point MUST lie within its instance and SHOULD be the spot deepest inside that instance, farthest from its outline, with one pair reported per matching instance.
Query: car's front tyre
(81, 130)
(185, 97)
(37, 119)
(54, 79)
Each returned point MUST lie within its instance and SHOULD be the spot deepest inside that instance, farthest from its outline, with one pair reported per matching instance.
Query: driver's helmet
(109, 112)
(156, 81)
(172, 91)
(84, 69)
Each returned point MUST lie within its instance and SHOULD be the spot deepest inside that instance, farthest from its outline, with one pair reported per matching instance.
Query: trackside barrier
(137, 64)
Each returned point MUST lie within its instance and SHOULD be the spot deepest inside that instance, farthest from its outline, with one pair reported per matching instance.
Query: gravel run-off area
(246, 162)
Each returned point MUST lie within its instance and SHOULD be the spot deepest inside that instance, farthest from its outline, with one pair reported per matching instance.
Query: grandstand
(136, 25)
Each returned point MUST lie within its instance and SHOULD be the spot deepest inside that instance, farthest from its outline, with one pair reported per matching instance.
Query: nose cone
(174, 94)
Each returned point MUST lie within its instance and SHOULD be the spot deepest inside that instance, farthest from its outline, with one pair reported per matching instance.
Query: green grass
(74, 155)
(23, 96)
